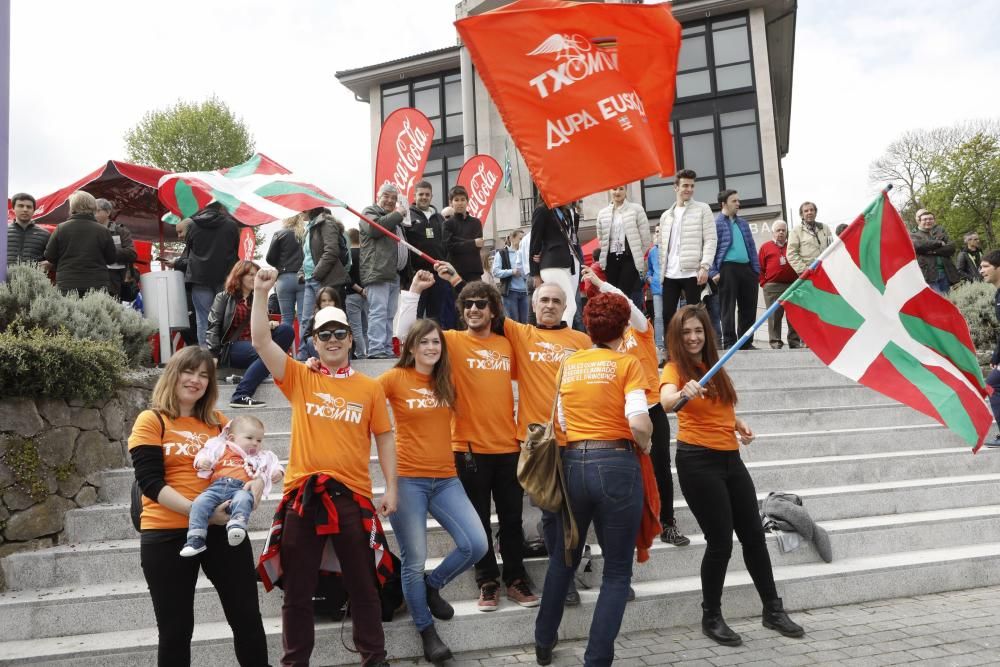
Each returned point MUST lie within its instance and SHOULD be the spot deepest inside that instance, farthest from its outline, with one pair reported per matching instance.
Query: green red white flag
(867, 312)
(256, 192)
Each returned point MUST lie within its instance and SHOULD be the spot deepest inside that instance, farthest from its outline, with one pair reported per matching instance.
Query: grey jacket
(637, 234)
(788, 513)
(378, 251)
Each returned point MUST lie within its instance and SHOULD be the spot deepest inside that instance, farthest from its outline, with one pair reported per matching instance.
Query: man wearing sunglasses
(483, 433)
(328, 489)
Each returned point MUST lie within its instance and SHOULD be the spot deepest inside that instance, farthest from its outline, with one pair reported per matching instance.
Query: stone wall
(52, 454)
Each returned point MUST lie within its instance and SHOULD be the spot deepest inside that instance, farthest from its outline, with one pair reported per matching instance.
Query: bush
(976, 303)
(30, 301)
(38, 363)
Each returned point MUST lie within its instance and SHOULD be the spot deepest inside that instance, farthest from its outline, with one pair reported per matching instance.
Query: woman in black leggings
(715, 483)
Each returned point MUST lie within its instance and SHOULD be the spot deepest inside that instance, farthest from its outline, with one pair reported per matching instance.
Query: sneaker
(236, 535)
(995, 442)
(671, 535)
(246, 402)
(234, 379)
(193, 547)
(488, 594)
(520, 592)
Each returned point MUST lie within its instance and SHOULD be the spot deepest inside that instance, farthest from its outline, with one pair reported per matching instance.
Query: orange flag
(585, 89)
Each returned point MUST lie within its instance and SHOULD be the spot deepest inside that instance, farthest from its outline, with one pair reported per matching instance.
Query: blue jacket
(723, 231)
(653, 271)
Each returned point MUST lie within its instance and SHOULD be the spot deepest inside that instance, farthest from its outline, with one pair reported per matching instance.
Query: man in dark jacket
(735, 270)
(381, 261)
(934, 252)
(212, 248)
(969, 259)
(427, 233)
(124, 248)
(81, 248)
(989, 270)
(26, 241)
(463, 237)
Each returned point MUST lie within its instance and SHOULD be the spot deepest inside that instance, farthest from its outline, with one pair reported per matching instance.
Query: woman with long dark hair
(228, 334)
(163, 444)
(602, 403)
(715, 483)
(422, 396)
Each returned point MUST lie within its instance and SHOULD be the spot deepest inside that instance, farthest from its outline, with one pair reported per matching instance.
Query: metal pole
(4, 120)
(767, 313)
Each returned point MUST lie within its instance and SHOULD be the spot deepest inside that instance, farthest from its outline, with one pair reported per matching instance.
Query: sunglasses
(339, 334)
(478, 303)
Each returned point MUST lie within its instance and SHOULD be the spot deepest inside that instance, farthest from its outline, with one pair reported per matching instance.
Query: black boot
(435, 650)
(440, 608)
(775, 618)
(714, 627)
(543, 655)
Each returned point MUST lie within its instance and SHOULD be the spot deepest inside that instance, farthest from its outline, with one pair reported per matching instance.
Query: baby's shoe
(237, 533)
(193, 547)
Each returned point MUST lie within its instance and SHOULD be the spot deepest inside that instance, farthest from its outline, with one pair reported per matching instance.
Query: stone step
(106, 607)
(660, 603)
(94, 561)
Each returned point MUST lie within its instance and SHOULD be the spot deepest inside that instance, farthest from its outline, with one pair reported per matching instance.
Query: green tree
(965, 196)
(190, 137)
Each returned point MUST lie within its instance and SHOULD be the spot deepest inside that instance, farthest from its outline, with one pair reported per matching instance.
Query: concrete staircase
(909, 511)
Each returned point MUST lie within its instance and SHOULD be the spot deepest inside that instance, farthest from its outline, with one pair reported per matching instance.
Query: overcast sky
(84, 72)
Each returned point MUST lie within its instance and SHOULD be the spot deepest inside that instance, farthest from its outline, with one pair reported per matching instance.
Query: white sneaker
(236, 536)
(189, 550)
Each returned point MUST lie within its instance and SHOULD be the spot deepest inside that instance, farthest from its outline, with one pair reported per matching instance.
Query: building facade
(730, 121)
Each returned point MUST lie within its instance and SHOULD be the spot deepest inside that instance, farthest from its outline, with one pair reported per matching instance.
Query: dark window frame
(710, 66)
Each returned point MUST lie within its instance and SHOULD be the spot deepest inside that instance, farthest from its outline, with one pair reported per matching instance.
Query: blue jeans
(605, 486)
(993, 380)
(382, 300)
(242, 355)
(357, 317)
(516, 305)
(202, 298)
(218, 492)
(438, 303)
(291, 294)
(941, 285)
(309, 290)
(446, 500)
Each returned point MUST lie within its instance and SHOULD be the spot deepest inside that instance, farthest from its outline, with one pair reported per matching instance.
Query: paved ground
(957, 628)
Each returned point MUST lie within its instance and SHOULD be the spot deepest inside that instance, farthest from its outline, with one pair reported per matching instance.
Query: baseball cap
(330, 315)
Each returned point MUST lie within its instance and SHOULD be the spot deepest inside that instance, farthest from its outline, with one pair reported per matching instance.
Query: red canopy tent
(131, 188)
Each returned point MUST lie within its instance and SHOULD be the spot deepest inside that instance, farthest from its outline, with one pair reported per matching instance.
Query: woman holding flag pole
(715, 483)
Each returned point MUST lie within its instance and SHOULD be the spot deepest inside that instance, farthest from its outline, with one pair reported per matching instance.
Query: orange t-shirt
(423, 426)
(642, 346)
(333, 420)
(481, 369)
(707, 422)
(537, 355)
(181, 439)
(231, 464)
(593, 390)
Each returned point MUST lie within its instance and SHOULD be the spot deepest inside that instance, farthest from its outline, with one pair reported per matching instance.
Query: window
(715, 58)
(440, 99)
(722, 146)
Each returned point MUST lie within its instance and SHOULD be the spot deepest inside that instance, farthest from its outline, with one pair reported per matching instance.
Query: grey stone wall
(52, 454)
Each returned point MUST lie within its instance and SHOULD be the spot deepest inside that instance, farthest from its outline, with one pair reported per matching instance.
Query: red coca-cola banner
(403, 147)
(248, 244)
(481, 176)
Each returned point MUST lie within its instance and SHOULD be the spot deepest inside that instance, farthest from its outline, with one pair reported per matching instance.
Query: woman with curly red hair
(228, 334)
(602, 407)
(715, 483)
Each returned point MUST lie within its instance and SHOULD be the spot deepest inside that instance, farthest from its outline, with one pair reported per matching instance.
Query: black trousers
(496, 475)
(737, 292)
(672, 290)
(622, 274)
(660, 455)
(721, 495)
(171, 580)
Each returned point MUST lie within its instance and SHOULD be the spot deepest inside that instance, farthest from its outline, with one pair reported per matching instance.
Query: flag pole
(707, 377)
(403, 242)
